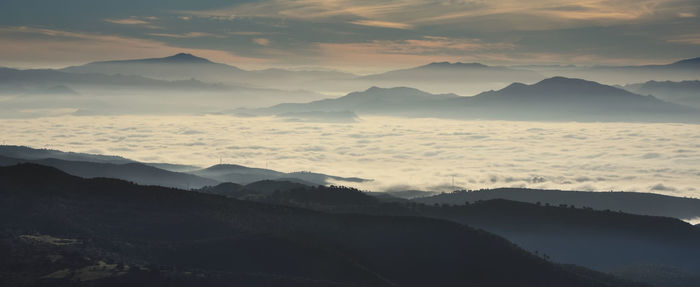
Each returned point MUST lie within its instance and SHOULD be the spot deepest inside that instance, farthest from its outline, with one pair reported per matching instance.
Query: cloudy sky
(354, 35)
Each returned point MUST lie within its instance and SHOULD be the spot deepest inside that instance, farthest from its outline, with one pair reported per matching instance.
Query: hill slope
(628, 202)
(245, 175)
(133, 171)
(178, 236)
(604, 240)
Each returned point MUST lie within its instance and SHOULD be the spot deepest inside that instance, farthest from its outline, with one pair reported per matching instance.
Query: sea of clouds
(397, 153)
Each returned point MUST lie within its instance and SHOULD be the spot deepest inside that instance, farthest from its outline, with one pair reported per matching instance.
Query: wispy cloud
(261, 41)
(184, 35)
(382, 24)
(693, 39)
(407, 13)
(128, 21)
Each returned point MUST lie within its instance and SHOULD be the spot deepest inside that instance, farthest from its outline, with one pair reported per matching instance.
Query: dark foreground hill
(608, 241)
(61, 230)
(628, 202)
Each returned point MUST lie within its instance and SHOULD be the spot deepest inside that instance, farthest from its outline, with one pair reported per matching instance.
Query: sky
(352, 35)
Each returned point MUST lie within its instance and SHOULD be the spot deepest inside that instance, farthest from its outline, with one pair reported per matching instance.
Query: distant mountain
(628, 202)
(457, 72)
(691, 64)
(464, 79)
(245, 175)
(553, 99)
(562, 98)
(187, 66)
(177, 67)
(132, 171)
(67, 231)
(375, 100)
(683, 70)
(35, 93)
(37, 79)
(684, 92)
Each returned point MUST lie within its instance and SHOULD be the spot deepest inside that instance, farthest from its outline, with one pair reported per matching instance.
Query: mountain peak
(564, 80)
(185, 58)
(225, 166)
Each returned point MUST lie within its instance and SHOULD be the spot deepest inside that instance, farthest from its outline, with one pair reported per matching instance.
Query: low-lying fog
(397, 152)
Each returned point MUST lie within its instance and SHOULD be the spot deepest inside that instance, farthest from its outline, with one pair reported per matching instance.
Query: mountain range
(553, 99)
(683, 70)
(184, 66)
(162, 174)
(169, 84)
(683, 92)
(441, 77)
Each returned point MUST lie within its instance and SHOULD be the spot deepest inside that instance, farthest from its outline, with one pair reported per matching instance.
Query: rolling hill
(608, 241)
(132, 171)
(628, 202)
(245, 175)
(65, 230)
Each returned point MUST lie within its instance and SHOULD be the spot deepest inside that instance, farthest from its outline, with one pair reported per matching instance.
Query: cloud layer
(412, 153)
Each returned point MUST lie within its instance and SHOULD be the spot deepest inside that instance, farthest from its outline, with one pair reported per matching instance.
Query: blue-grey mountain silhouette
(683, 92)
(553, 99)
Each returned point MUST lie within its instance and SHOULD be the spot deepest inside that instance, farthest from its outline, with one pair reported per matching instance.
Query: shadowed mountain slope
(174, 234)
(132, 171)
(628, 202)
(603, 240)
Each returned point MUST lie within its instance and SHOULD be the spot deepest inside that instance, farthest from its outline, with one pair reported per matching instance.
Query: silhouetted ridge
(576, 94)
(172, 236)
(688, 62)
(180, 58)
